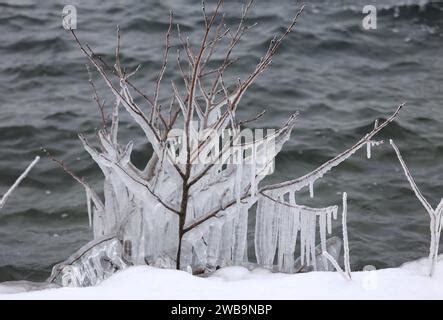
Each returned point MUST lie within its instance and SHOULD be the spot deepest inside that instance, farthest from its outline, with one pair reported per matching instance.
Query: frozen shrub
(185, 213)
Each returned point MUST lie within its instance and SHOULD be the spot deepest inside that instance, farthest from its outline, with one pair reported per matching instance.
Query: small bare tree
(182, 212)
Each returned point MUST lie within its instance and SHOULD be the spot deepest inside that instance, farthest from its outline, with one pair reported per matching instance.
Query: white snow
(409, 281)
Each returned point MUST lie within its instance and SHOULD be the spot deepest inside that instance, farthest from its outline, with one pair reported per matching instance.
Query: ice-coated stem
(435, 215)
(345, 235)
(299, 183)
(336, 265)
(368, 150)
(18, 181)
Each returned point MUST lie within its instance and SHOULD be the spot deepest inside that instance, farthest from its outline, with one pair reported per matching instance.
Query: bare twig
(154, 110)
(100, 104)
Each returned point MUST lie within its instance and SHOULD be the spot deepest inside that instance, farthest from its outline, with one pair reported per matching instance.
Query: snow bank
(143, 282)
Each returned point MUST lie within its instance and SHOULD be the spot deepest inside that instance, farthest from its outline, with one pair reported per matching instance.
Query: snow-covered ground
(142, 282)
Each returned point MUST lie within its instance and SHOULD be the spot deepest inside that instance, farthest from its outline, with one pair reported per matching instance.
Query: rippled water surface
(339, 76)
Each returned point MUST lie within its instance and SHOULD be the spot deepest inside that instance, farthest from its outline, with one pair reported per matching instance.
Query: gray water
(339, 76)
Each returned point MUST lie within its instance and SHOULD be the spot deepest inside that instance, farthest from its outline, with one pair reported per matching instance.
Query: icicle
(227, 243)
(322, 221)
(285, 232)
(303, 230)
(368, 149)
(258, 238)
(238, 177)
(200, 254)
(253, 170)
(275, 224)
(293, 241)
(215, 233)
(266, 231)
(190, 248)
(311, 188)
(290, 225)
(88, 203)
(345, 235)
(296, 212)
(329, 221)
(281, 239)
(313, 222)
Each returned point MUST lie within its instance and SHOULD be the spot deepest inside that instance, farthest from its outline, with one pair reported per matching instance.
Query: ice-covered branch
(124, 96)
(408, 175)
(434, 214)
(345, 235)
(347, 272)
(336, 265)
(18, 181)
(310, 178)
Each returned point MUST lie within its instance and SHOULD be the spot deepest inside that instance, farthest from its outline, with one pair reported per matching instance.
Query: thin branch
(408, 175)
(434, 215)
(100, 105)
(301, 182)
(213, 213)
(243, 122)
(17, 182)
(117, 66)
(154, 110)
(150, 131)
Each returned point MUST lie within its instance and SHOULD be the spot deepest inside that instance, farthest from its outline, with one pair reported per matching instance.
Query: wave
(22, 19)
(31, 44)
(140, 24)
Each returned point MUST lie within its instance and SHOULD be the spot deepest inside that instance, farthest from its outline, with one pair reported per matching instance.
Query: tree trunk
(181, 221)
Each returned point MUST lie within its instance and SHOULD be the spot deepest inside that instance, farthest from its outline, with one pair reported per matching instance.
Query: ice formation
(333, 248)
(179, 211)
(91, 264)
(278, 224)
(139, 209)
